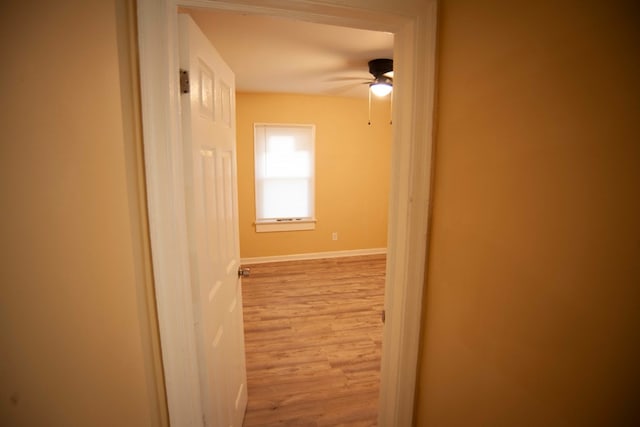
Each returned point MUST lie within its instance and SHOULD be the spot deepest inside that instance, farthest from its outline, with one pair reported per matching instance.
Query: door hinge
(383, 316)
(184, 81)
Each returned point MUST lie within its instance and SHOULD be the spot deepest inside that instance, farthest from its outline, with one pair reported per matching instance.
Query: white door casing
(208, 129)
(414, 61)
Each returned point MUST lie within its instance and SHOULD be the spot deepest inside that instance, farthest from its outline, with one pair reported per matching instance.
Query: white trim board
(314, 255)
(410, 186)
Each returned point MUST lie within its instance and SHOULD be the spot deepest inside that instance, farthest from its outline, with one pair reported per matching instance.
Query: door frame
(409, 202)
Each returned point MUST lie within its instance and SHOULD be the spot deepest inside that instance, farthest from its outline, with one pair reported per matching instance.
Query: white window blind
(284, 170)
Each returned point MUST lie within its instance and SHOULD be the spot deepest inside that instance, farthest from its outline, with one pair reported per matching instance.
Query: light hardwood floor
(313, 333)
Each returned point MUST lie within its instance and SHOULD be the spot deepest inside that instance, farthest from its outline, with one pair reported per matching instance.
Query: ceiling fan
(382, 83)
(382, 71)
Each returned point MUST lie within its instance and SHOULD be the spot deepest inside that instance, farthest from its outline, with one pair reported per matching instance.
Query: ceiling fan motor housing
(377, 67)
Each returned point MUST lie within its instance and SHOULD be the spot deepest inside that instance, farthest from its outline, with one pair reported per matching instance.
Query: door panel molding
(414, 59)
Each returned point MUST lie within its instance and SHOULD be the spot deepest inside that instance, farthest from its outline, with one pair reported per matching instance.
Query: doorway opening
(316, 341)
(415, 51)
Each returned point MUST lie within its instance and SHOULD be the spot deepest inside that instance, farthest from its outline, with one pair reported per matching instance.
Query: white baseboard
(316, 255)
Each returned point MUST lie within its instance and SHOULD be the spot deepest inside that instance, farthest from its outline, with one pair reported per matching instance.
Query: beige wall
(352, 172)
(532, 296)
(533, 290)
(76, 345)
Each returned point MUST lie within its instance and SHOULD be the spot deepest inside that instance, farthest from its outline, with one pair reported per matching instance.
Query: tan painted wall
(533, 291)
(352, 172)
(76, 344)
(532, 296)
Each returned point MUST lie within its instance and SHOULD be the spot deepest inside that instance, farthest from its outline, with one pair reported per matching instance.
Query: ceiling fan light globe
(380, 89)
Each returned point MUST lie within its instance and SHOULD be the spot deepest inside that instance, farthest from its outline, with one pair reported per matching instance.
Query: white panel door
(208, 122)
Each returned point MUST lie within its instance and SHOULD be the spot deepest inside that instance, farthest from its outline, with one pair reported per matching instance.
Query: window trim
(293, 224)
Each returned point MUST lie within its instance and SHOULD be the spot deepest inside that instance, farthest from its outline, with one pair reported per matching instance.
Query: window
(284, 169)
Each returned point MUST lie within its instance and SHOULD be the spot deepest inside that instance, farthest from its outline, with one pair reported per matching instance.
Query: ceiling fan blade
(348, 79)
(339, 90)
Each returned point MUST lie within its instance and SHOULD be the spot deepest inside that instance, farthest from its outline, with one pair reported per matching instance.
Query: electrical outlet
(334, 235)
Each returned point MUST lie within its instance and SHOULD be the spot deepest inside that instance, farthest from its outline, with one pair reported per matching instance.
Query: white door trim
(408, 208)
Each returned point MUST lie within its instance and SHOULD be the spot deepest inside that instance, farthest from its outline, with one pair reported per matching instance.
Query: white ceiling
(270, 54)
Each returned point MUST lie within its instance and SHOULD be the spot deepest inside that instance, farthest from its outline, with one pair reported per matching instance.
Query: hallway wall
(78, 346)
(532, 302)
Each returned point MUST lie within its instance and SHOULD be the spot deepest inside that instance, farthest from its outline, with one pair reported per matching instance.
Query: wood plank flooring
(313, 334)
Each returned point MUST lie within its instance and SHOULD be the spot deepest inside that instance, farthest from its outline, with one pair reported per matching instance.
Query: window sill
(285, 225)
